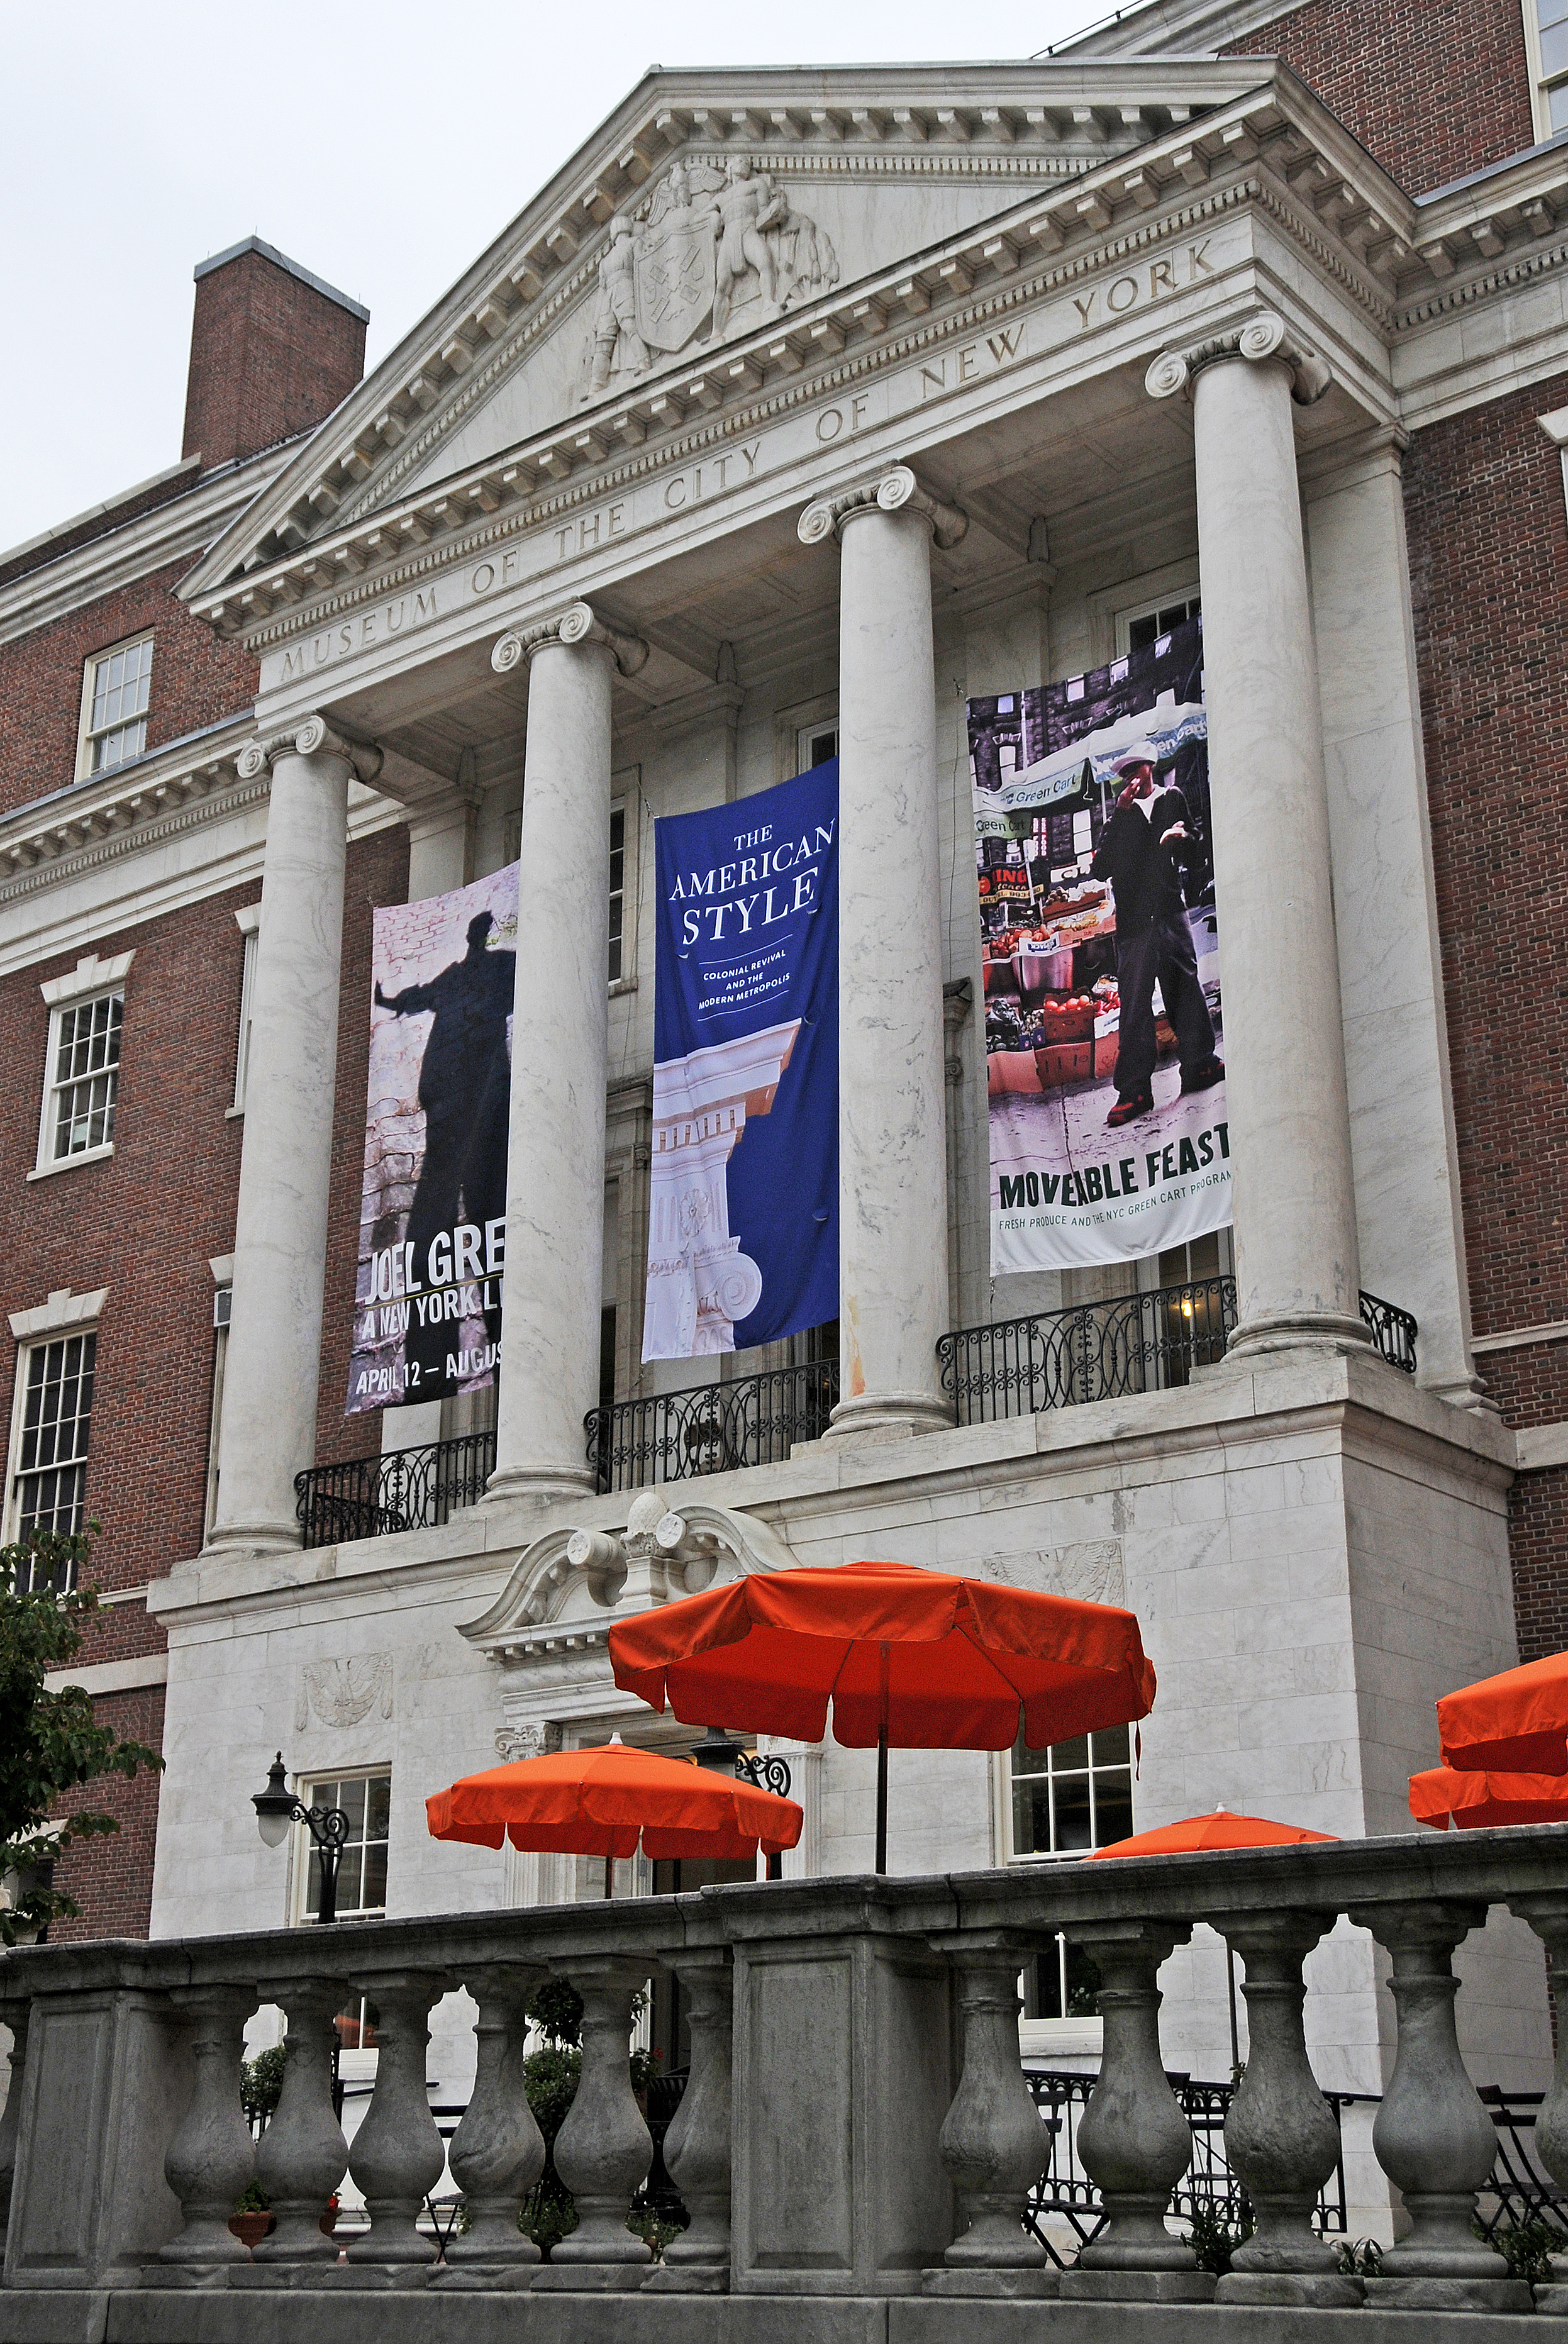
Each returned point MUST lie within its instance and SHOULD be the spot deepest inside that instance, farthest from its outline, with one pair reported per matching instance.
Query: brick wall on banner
(1432, 89)
(1489, 564)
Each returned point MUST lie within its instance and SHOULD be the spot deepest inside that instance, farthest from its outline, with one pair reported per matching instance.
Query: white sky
(383, 145)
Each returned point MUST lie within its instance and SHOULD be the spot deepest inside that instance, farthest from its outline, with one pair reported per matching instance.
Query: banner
(1104, 1041)
(742, 1230)
(432, 1225)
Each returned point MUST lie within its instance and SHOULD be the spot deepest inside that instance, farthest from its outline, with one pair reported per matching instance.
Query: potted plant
(252, 2217)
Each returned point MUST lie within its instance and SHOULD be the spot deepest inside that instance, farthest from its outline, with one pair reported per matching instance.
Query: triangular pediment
(721, 228)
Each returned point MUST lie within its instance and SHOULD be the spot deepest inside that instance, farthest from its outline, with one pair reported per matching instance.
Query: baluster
(211, 2161)
(17, 2016)
(1432, 2135)
(1548, 1916)
(1280, 2137)
(497, 2152)
(992, 2143)
(397, 2156)
(1133, 2139)
(697, 2145)
(302, 2156)
(604, 2148)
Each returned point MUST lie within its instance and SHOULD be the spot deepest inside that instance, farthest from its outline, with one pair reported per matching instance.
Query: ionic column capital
(314, 738)
(895, 491)
(577, 624)
(1263, 336)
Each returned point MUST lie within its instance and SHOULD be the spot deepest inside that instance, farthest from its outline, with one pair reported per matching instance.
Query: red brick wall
(1489, 565)
(270, 357)
(1432, 89)
(112, 1878)
(196, 680)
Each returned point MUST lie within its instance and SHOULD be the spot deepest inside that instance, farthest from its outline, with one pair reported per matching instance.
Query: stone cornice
(980, 122)
(178, 531)
(77, 829)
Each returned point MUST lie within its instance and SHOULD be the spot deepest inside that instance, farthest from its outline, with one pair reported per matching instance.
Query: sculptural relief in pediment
(713, 249)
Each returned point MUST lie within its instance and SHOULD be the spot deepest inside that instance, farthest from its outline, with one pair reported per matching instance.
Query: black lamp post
(277, 1807)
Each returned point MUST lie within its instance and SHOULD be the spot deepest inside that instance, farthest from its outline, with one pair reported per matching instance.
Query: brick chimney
(272, 351)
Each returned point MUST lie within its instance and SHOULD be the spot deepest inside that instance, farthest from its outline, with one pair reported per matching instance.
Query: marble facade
(964, 373)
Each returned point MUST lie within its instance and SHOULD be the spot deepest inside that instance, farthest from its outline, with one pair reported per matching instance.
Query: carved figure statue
(805, 262)
(615, 312)
(748, 207)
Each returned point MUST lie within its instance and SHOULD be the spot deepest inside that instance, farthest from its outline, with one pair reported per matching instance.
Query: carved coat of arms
(707, 243)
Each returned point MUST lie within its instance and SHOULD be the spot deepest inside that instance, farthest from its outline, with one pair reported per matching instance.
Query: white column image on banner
(698, 1281)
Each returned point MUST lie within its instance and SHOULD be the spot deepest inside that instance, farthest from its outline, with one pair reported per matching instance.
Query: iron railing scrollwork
(681, 1436)
(1393, 1331)
(1153, 1342)
(765, 1773)
(403, 1489)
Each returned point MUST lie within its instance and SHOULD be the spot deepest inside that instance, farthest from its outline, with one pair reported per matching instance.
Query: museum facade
(802, 412)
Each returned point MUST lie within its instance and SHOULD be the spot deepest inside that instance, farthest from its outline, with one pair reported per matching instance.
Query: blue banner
(742, 1230)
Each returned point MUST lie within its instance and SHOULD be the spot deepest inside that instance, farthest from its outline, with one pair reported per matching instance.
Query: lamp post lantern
(277, 1807)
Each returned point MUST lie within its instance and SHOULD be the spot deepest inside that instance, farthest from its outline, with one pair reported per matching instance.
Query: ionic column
(1297, 1264)
(281, 1227)
(892, 1117)
(555, 1165)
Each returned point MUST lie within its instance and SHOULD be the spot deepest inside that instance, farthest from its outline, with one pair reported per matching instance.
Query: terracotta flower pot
(252, 2227)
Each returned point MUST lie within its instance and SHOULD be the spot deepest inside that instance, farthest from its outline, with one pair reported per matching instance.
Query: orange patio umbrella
(1219, 1829)
(919, 1659)
(1472, 1800)
(1517, 1722)
(603, 1800)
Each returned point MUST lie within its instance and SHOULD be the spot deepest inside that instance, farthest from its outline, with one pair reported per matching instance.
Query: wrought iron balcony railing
(404, 1489)
(680, 1436)
(1105, 1351)
(1015, 1366)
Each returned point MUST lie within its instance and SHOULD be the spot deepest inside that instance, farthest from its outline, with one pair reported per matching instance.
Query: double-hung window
(1064, 1801)
(366, 1800)
(115, 693)
(82, 1069)
(51, 1428)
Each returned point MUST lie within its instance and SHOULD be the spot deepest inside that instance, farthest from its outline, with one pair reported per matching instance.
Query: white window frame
(92, 979)
(248, 920)
(1151, 607)
(806, 734)
(85, 736)
(626, 799)
(222, 1268)
(1540, 84)
(64, 1314)
(308, 1788)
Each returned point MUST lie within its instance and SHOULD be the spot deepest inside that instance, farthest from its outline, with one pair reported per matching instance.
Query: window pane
(1113, 1808)
(378, 1806)
(1110, 1746)
(56, 1419)
(1070, 1799)
(1142, 633)
(1551, 12)
(1554, 49)
(1032, 1818)
(1557, 101)
(1067, 1757)
(373, 1894)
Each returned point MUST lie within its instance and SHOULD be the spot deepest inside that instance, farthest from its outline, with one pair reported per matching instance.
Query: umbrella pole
(1235, 2038)
(610, 1890)
(881, 1762)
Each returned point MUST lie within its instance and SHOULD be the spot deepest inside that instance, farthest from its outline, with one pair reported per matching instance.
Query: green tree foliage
(50, 1744)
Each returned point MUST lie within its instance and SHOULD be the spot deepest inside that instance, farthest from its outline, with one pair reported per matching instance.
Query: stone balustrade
(855, 2129)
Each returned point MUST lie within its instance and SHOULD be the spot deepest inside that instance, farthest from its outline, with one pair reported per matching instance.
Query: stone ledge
(146, 2316)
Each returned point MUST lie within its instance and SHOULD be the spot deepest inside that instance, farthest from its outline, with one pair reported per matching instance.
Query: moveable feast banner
(432, 1225)
(743, 1231)
(1104, 1041)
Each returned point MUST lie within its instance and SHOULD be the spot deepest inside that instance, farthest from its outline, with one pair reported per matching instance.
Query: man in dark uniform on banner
(1142, 852)
(465, 1090)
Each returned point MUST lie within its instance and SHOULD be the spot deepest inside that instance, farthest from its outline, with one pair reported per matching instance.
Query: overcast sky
(382, 146)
